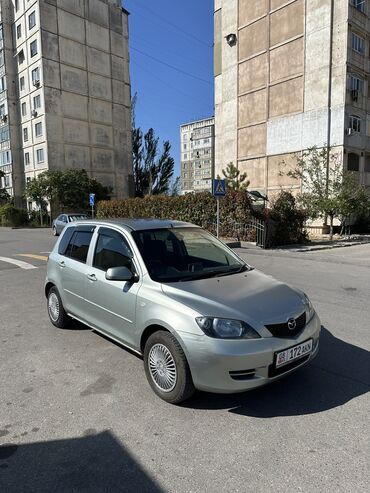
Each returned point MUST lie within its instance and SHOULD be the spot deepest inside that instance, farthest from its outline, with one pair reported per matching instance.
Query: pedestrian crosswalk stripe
(31, 255)
(19, 263)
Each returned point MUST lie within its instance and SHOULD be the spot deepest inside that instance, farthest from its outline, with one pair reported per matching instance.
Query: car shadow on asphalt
(339, 373)
(95, 462)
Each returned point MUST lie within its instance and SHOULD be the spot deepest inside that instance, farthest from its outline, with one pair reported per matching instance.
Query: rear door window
(76, 242)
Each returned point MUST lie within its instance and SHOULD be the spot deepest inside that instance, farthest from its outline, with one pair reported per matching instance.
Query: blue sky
(166, 34)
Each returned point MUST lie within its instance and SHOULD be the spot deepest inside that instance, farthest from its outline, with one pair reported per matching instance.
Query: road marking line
(19, 263)
(31, 255)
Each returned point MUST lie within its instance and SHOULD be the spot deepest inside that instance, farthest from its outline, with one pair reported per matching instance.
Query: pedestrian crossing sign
(219, 188)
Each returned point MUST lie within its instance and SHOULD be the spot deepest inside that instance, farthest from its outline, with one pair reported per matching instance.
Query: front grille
(242, 374)
(274, 372)
(282, 330)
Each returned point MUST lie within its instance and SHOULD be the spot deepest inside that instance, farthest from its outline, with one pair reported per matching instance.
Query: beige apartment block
(197, 155)
(65, 91)
(289, 75)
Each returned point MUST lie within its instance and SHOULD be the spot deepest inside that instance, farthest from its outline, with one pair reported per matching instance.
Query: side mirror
(120, 274)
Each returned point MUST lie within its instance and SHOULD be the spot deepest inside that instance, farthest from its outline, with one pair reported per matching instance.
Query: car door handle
(62, 263)
(92, 277)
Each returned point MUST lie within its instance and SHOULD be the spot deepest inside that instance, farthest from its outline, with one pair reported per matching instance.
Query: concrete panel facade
(299, 78)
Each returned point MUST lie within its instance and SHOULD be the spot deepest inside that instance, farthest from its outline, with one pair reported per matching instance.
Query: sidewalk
(316, 244)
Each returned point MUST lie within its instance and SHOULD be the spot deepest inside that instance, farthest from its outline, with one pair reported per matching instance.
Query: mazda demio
(200, 316)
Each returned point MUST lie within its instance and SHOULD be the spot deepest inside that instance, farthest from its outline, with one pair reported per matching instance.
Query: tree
(174, 190)
(334, 193)
(69, 188)
(234, 179)
(39, 190)
(153, 169)
(4, 196)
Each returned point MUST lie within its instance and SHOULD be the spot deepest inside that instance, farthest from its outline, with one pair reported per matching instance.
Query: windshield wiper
(242, 268)
(214, 273)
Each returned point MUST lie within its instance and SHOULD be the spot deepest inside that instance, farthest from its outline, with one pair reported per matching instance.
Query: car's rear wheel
(55, 232)
(57, 314)
(167, 369)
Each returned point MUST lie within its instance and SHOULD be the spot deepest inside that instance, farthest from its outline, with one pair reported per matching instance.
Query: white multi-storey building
(64, 91)
(197, 155)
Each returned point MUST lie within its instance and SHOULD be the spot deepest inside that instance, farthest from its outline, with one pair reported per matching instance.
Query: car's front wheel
(57, 314)
(167, 369)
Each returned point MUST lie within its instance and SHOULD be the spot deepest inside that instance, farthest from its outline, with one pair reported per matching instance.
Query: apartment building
(64, 91)
(289, 75)
(197, 155)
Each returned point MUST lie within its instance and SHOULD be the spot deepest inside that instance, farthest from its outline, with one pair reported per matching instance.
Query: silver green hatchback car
(200, 317)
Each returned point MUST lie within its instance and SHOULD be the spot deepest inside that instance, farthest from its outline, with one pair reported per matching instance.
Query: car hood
(250, 296)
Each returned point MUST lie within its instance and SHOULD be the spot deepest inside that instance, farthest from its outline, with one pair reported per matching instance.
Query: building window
(367, 163)
(359, 5)
(37, 102)
(5, 158)
(35, 74)
(3, 83)
(1, 58)
(2, 110)
(185, 147)
(19, 31)
(40, 155)
(24, 109)
(20, 57)
(33, 48)
(7, 181)
(25, 134)
(32, 20)
(22, 84)
(28, 179)
(353, 163)
(355, 123)
(358, 43)
(185, 156)
(357, 84)
(4, 133)
(27, 159)
(38, 129)
(16, 5)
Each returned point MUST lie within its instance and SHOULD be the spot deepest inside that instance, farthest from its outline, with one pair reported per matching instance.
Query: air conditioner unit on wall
(349, 131)
(34, 113)
(4, 118)
(36, 83)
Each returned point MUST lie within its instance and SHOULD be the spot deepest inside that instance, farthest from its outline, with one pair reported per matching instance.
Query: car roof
(142, 224)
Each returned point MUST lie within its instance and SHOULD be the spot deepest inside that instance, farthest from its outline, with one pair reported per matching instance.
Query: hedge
(200, 208)
(12, 216)
(284, 223)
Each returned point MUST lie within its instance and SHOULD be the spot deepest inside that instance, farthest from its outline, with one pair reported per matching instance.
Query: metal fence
(253, 231)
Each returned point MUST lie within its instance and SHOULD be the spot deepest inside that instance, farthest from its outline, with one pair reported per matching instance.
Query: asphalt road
(76, 412)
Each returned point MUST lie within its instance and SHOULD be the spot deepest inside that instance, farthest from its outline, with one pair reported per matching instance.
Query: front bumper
(228, 366)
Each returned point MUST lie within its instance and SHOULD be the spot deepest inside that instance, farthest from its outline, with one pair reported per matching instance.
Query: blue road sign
(92, 199)
(219, 188)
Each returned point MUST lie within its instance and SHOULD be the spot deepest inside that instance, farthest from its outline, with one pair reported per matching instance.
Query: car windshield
(76, 217)
(185, 254)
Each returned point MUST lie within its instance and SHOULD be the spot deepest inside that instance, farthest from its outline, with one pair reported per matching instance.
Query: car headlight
(223, 328)
(310, 311)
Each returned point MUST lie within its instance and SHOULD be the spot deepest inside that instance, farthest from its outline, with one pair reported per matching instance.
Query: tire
(55, 232)
(167, 369)
(56, 312)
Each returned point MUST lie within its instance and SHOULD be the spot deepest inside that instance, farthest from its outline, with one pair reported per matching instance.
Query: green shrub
(285, 222)
(12, 216)
(200, 208)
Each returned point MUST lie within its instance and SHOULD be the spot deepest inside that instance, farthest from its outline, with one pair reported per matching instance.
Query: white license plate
(293, 353)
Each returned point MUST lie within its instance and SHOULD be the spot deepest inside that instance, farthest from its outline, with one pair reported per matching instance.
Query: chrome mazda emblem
(292, 324)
